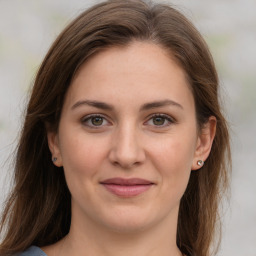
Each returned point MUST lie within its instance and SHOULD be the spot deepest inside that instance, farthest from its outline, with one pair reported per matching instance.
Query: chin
(129, 220)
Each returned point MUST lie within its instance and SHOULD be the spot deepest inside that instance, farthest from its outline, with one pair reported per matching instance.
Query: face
(128, 138)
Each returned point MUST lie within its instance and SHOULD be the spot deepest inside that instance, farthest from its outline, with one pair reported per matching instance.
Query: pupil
(97, 120)
(158, 120)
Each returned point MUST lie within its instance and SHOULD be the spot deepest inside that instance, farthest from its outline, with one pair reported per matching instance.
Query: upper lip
(126, 182)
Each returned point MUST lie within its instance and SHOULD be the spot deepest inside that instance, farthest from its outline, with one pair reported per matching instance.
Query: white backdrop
(28, 27)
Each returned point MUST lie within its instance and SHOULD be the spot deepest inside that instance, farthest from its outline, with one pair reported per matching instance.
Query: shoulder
(32, 251)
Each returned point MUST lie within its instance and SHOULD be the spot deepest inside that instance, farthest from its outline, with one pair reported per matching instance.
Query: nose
(126, 151)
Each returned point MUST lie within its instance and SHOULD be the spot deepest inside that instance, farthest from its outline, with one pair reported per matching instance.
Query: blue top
(32, 251)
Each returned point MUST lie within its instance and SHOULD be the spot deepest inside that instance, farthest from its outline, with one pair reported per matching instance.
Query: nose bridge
(126, 150)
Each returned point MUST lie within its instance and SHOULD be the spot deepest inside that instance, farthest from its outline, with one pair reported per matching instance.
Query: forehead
(141, 71)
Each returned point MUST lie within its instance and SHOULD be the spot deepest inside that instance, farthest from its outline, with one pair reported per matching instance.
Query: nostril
(125, 150)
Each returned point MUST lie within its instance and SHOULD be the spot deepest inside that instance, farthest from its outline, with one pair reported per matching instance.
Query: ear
(53, 143)
(204, 142)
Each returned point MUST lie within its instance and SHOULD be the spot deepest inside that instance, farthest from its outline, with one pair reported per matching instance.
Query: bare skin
(129, 113)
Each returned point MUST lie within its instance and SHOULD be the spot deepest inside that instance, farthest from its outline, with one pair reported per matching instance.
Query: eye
(95, 121)
(160, 120)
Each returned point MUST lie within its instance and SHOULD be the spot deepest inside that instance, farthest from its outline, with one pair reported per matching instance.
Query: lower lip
(127, 191)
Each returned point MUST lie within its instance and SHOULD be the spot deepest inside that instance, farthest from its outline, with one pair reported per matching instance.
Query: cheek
(174, 152)
(173, 160)
(82, 162)
(82, 155)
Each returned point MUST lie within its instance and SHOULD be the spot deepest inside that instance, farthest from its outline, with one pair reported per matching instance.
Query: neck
(89, 239)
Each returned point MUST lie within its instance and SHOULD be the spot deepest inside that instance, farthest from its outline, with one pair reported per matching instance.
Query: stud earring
(200, 163)
(54, 159)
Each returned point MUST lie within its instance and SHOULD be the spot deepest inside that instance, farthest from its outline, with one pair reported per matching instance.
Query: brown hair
(38, 209)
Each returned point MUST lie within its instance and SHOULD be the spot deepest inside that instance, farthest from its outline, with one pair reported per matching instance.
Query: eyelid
(167, 117)
(88, 117)
(170, 119)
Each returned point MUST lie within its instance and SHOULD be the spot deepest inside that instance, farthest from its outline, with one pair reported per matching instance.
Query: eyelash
(167, 118)
(90, 117)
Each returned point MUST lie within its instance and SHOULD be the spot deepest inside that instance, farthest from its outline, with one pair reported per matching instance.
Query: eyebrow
(146, 106)
(93, 103)
(158, 104)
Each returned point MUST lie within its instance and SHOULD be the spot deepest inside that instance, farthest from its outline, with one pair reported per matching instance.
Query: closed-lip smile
(127, 187)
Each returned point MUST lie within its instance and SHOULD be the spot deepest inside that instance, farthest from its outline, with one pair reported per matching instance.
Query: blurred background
(27, 29)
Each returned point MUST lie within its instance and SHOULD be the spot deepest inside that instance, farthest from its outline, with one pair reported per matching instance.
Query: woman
(124, 149)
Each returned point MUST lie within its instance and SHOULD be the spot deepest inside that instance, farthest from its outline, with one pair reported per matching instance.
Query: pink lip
(127, 187)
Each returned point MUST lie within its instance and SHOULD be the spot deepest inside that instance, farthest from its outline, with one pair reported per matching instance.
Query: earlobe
(204, 143)
(53, 143)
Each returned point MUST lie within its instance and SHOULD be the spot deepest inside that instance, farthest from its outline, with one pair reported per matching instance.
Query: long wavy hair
(38, 210)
